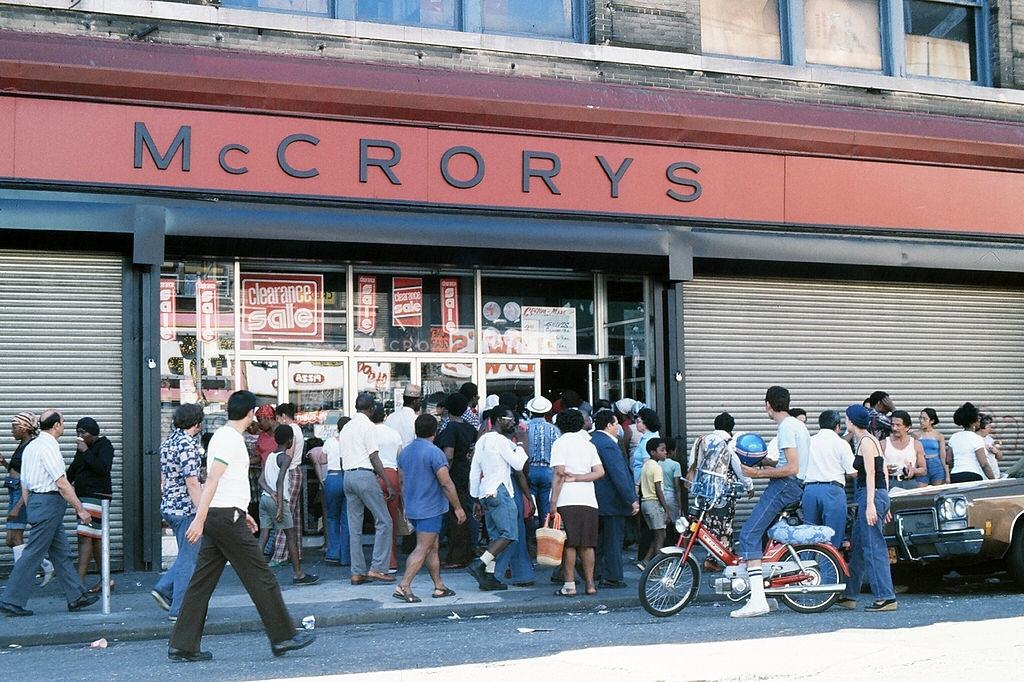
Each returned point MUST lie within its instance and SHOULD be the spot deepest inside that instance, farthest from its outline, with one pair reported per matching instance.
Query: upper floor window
(934, 38)
(560, 19)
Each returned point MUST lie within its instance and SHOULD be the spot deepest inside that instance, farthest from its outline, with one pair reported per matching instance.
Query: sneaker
(277, 564)
(773, 605)
(308, 579)
(491, 584)
(850, 604)
(161, 600)
(751, 609)
(48, 573)
(883, 605)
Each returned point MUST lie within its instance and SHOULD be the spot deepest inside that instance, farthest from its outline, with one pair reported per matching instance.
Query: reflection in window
(627, 334)
(552, 18)
(524, 316)
(510, 377)
(741, 28)
(319, 7)
(436, 13)
(386, 380)
(413, 313)
(940, 40)
(843, 33)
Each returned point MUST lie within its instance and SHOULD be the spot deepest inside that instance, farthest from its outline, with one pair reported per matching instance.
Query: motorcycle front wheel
(668, 584)
(823, 570)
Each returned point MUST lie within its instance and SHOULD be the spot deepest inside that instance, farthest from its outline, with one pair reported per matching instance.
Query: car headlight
(953, 508)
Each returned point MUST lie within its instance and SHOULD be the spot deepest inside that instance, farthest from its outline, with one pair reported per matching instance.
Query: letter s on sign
(694, 185)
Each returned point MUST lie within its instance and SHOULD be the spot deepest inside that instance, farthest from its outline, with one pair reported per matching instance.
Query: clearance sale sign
(283, 307)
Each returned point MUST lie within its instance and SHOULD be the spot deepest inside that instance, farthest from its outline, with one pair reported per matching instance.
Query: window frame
(893, 41)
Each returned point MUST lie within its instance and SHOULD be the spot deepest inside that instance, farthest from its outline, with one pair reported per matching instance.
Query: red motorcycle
(807, 578)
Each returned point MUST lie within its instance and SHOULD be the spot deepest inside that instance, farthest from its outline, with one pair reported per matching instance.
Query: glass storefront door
(316, 386)
(518, 376)
(609, 378)
(384, 378)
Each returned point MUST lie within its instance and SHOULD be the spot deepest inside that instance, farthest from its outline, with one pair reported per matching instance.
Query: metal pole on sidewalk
(105, 556)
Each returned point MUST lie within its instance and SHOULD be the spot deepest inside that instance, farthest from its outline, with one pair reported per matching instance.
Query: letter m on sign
(182, 141)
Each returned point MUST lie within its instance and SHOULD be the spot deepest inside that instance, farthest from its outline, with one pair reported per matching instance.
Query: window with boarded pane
(741, 28)
(941, 39)
(844, 33)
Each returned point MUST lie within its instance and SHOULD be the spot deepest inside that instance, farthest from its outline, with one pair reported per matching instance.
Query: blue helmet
(751, 448)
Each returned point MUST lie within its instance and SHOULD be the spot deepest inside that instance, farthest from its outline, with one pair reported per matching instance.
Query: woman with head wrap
(869, 557)
(24, 427)
(89, 472)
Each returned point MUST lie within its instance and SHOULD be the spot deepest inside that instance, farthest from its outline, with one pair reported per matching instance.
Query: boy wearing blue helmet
(783, 489)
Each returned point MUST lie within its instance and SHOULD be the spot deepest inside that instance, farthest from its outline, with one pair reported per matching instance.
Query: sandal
(407, 597)
(565, 593)
(441, 594)
(98, 587)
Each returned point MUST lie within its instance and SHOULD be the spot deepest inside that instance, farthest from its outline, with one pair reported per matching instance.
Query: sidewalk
(333, 601)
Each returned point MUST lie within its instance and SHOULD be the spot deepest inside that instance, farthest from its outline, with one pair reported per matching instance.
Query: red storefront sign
(366, 305)
(114, 145)
(281, 307)
(206, 309)
(406, 302)
(168, 309)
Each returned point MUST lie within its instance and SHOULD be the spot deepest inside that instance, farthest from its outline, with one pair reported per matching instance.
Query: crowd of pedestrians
(470, 484)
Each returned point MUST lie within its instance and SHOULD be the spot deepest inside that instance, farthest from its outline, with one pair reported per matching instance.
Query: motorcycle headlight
(682, 524)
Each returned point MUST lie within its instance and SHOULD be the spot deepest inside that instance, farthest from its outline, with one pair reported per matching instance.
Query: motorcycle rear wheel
(667, 585)
(826, 571)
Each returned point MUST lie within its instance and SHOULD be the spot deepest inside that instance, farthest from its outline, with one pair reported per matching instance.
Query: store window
(537, 316)
(433, 13)
(941, 39)
(316, 7)
(292, 310)
(511, 377)
(931, 38)
(197, 336)
(386, 380)
(741, 28)
(550, 18)
(413, 313)
(444, 377)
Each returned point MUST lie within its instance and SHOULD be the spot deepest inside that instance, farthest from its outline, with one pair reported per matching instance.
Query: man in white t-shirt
(226, 530)
(389, 444)
(403, 420)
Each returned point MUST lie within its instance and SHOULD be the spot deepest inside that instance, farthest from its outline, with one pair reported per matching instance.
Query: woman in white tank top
(904, 455)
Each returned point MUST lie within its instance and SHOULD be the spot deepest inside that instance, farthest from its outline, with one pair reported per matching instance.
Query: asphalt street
(447, 641)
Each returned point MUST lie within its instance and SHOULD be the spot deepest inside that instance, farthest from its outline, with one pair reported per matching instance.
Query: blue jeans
(824, 504)
(337, 519)
(540, 485)
(500, 513)
(936, 472)
(19, 522)
(780, 493)
(869, 557)
(516, 557)
(174, 583)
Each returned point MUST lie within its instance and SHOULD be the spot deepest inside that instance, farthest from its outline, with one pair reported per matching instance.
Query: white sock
(489, 568)
(756, 586)
(488, 560)
(18, 551)
(47, 566)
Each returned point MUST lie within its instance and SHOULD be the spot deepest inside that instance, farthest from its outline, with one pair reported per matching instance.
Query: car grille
(917, 522)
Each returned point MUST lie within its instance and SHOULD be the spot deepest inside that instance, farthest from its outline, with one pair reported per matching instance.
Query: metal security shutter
(61, 347)
(831, 343)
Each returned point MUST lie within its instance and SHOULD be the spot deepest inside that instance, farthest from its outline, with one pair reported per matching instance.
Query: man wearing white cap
(540, 434)
(403, 419)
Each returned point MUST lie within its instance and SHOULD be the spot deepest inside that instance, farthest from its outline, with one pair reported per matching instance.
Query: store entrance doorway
(557, 376)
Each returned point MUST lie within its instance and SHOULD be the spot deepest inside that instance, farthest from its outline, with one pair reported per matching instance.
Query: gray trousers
(45, 535)
(363, 490)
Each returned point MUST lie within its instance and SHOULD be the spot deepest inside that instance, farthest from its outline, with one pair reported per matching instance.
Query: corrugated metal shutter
(831, 343)
(61, 347)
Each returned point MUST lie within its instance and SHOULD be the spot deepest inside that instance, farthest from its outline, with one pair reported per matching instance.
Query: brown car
(975, 526)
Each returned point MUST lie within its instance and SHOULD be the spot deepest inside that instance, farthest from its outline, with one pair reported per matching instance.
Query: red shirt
(265, 444)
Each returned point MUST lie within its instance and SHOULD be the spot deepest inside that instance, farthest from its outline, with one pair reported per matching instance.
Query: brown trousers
(226, 537)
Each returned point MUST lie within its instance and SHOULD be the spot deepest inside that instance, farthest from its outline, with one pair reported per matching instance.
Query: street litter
(309, 622)
(603, 611)
(601, 607)
(482, 615)
(15, 646)
(454, 616)
(99, 644)
(526, 631)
